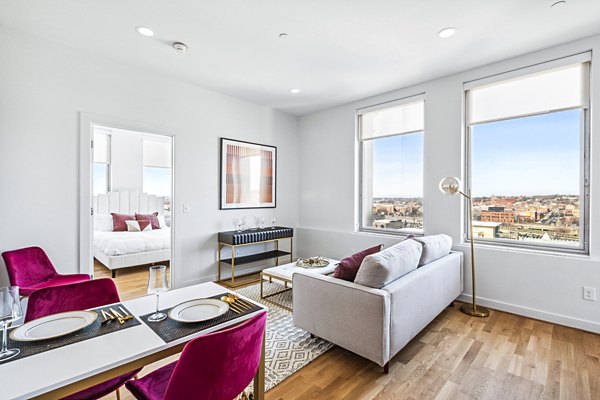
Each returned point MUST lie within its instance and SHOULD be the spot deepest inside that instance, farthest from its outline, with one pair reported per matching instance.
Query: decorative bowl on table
(312, 262)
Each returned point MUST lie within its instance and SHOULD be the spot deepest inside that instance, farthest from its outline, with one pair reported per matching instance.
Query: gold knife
(116, 314)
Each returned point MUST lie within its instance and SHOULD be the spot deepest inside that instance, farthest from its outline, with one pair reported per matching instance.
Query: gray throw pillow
(434, 247)
(380, 269)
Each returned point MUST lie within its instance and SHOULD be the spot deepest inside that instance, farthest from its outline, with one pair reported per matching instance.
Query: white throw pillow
(103, 223)
(135, 226)
(161, 221)
(434, 247)
(380, 269)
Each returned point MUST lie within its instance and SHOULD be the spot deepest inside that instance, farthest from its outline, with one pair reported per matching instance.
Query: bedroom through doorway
(132, 197)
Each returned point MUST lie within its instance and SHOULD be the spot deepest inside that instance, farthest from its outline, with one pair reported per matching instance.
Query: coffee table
(283, 274)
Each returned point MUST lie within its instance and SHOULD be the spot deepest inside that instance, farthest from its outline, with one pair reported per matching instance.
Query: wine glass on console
(10, 311)
(157, 283)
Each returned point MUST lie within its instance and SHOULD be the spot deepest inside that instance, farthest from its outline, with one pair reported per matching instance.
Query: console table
(234, 239)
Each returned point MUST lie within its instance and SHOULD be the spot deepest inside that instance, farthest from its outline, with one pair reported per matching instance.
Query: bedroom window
(527, 155)
(391, 166)
(157, 167)
(101, 167)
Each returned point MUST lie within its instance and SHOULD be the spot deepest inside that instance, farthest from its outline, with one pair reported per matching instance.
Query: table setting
(72, 345)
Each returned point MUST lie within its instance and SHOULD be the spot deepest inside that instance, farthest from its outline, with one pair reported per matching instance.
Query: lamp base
(477, 312)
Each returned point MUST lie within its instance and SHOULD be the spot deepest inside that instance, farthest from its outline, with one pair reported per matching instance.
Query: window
(391, 171)
(157, 167)
(527, 146)
(101, 167)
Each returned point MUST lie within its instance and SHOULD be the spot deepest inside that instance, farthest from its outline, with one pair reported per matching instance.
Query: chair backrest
(75, 296)
(220, 365)
(28, 266)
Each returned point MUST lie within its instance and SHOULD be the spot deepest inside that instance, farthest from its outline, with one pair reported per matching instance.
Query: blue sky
(398, 166)
(527, 156)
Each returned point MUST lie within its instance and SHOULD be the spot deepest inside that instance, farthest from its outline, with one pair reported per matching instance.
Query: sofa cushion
(348, 267)
(378, 270)
(434, 247)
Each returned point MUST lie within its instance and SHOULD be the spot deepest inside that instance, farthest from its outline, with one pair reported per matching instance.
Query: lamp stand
(472, 309)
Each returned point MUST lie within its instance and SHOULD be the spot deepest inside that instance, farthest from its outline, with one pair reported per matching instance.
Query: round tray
(312, 262)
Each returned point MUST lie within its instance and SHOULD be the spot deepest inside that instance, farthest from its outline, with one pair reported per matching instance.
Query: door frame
(87, 121)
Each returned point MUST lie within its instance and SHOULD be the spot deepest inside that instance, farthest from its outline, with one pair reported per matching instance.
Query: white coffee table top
(287, 270)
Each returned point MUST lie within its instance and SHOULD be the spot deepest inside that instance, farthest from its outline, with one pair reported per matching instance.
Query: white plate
(53, 326)
(198, 310)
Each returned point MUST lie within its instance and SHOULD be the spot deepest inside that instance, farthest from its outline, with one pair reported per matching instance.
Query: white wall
(44, 86)
(545, 286)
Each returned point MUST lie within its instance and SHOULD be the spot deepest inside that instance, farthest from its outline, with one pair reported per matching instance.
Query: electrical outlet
(589, 293)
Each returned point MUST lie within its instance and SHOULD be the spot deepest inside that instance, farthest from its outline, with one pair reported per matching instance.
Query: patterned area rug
(288, 348)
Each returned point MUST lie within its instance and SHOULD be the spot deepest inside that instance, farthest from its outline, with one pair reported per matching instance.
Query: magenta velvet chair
(31, 269)
(79, 296)
(218, 366)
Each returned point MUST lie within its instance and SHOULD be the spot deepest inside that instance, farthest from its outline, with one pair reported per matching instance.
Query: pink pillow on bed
(119, 224)
(153, 218)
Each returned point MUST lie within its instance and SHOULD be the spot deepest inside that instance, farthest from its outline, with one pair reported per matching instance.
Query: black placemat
(170, 330)
(97, 328)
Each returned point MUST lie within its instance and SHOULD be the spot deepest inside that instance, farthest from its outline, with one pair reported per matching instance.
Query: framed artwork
(248, 175)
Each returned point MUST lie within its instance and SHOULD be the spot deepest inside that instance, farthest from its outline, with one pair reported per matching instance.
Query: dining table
(69, 369)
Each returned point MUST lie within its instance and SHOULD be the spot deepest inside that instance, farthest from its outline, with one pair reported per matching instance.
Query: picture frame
(248, 175)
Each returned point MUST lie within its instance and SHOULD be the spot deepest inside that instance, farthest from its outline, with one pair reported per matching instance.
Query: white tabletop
(287, 270)
(41, 373)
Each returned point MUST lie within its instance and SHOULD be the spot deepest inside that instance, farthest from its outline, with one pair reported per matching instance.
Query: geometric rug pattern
(287, 348)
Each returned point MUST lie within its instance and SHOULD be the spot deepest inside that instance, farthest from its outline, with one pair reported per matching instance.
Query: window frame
(107, 163)
(585, 142)
(360, 227)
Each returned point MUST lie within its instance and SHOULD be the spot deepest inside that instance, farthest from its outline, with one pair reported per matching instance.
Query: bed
(116, 250)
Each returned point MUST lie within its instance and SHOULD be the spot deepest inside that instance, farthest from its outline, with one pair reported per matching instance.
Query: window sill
(369, 232)
(507, 247)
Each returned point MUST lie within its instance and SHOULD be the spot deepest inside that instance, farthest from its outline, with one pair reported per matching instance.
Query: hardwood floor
(131, 282)
(503, 356)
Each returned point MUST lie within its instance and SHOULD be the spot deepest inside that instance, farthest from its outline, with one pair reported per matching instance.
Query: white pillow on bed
(134, 226)
(161, 221)
(103, 223)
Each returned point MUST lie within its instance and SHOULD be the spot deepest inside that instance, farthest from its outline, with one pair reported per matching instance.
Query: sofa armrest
(352, 316)
(418, 297)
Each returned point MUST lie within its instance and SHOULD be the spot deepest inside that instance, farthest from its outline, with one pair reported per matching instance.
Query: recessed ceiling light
(142, 30)
(294, 91)
(180, 47)
(447, 32)
(283, 35)
(558, 4)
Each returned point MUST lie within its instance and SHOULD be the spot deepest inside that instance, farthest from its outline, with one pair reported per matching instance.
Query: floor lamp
(451, 186)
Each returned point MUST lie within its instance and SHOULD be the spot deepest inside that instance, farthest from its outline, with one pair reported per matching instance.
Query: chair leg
(386, 368)
(118, 392)
(114, 273)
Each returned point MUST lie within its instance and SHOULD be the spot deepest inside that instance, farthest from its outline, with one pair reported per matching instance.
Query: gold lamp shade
(450, 185)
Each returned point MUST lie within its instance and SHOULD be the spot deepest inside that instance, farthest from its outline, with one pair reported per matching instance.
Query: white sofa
(376, 323)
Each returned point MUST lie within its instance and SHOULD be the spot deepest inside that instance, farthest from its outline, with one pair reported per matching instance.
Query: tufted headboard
(128, 202)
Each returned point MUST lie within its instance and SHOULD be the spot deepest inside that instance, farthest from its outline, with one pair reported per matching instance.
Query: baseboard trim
(586, 325)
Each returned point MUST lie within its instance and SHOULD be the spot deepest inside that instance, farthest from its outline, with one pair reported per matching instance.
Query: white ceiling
(337, 50)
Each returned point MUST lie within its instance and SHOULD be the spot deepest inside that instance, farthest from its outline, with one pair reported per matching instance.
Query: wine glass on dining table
(10, 311)
(157, 283)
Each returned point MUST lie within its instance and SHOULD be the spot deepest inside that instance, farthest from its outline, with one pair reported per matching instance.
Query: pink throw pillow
(348, 267)
(153, 218)
(119, 224)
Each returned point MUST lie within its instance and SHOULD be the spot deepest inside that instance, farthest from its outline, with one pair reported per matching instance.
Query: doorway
(130, 224)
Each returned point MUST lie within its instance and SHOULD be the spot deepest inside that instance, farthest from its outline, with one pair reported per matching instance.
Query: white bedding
(120, 243)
